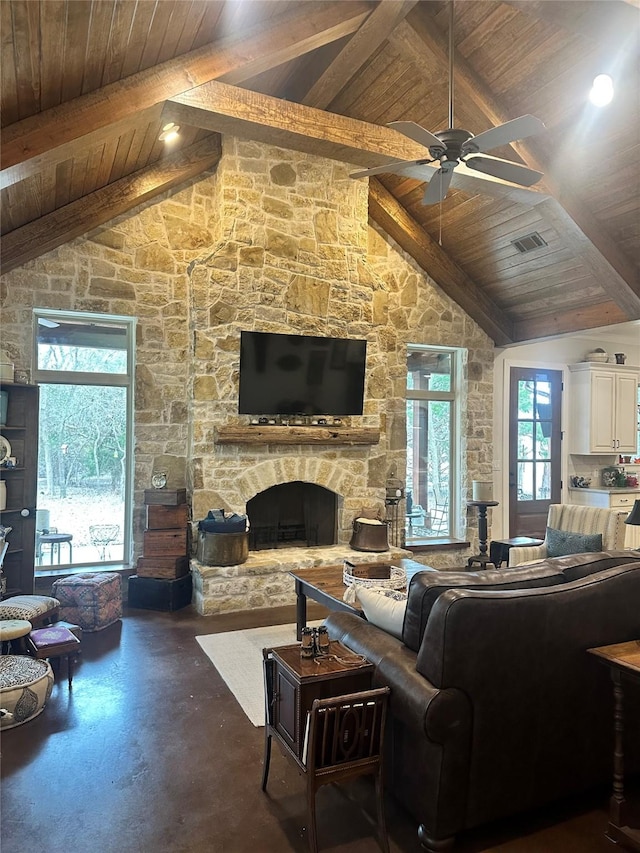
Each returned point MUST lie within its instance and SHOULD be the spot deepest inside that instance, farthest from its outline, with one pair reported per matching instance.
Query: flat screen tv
(300, 375)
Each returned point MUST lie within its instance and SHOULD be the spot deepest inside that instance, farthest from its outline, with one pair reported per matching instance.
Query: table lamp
(634, 515)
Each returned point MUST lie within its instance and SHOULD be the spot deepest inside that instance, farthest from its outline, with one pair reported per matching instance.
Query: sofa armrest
(441, 715)
(518, 556)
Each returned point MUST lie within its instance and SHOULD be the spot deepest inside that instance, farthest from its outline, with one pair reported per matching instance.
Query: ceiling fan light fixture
(455, 146)
(601, 92)
(169, 132)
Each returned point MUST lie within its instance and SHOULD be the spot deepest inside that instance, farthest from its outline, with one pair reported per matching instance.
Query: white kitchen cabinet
(603, 408)
(621, 499)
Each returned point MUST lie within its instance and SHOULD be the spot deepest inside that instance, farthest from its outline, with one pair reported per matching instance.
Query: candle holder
(482, 558)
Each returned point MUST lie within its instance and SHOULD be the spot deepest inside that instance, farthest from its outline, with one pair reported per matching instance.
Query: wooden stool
(55, 642)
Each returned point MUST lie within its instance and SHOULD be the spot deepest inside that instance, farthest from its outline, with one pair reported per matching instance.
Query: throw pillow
(384, 608)
(562, 542)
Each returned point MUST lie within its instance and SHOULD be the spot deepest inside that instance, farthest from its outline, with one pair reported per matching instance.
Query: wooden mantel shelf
(296, 435)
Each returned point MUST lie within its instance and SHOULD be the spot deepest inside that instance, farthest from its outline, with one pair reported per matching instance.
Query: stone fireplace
(263, 580)
(290, 258)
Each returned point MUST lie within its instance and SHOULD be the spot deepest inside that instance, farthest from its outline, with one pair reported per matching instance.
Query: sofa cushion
(384, 608)
(562, 542)
(425, 588)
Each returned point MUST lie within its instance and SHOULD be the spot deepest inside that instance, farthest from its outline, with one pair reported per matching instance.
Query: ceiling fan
(452, 146)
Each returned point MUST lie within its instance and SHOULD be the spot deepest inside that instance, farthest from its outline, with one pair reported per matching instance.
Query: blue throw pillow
(562, 542)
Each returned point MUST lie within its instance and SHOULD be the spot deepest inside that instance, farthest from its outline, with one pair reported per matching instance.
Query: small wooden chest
(165, 497)
(160, 517)
(165, 543)
(162, 567)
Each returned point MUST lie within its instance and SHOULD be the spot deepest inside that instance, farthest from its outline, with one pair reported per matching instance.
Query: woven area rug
(237, 655)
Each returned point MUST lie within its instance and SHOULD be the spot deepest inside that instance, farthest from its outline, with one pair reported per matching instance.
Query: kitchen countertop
(607, 490)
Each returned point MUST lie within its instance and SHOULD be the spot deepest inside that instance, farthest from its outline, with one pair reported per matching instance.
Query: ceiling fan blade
(513, 172)
(438, 186)
(397, 167)
(504, 134)
(416, 132)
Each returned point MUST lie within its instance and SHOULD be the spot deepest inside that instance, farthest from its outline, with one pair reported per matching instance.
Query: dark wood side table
(482, 558)
(623, 660)
(499, 548)
(291, 685)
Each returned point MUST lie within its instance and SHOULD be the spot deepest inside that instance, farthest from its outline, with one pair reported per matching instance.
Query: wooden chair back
(346, 735)
(345, 740)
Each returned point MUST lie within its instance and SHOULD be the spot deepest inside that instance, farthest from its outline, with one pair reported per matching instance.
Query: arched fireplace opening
(290, 515)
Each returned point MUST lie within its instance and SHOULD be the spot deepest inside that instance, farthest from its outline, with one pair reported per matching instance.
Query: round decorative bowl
(597, 356)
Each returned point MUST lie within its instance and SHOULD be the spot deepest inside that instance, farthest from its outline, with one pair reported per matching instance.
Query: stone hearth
(264, 580)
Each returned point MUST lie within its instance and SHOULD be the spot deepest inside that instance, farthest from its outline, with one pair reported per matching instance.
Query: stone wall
(275, 241)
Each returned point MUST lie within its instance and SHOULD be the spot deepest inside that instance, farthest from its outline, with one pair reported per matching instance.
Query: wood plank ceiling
(88, 84)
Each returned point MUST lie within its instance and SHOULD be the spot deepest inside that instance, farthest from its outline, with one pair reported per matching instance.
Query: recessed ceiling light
(601, 92)
(170, 132)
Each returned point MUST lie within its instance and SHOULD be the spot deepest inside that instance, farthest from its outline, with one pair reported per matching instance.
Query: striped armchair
(577, 519)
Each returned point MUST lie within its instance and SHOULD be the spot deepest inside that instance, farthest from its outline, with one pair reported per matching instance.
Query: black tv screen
(300, 375)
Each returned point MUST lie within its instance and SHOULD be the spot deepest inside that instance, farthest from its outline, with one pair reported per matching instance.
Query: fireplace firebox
(292, 515)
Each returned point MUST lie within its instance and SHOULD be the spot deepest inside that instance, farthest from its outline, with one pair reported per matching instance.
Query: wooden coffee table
(324, 584)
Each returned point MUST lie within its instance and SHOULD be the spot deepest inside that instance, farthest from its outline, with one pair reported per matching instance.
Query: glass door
(534, 448)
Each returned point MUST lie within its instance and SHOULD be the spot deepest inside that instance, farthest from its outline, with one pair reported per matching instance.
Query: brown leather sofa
(496, 708)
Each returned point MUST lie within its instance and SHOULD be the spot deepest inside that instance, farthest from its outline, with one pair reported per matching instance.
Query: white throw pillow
(384, 608)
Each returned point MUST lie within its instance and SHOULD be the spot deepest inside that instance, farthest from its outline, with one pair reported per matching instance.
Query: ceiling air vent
(529, 243)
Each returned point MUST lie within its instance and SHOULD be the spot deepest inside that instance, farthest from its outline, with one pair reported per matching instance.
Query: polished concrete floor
(150, 752)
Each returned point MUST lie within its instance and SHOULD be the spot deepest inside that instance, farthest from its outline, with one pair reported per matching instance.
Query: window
(85, 369)
(432, 418)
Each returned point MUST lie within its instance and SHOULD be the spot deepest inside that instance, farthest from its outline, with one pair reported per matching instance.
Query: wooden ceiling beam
(27, 145)
(389, 214)
(251, 115)
(77, 218)
(310, 27)
(619, 279)
(361, 45)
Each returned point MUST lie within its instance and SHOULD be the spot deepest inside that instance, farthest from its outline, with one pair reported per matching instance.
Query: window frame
(454, 396)
(124, 380)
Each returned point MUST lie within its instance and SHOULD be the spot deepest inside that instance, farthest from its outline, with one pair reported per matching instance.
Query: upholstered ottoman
(40, 610)
(92, 600)
(25, 687)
